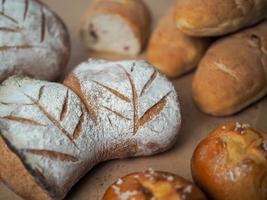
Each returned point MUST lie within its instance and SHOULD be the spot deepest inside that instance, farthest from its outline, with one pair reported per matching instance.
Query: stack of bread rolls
(232, 71)
(232, 74)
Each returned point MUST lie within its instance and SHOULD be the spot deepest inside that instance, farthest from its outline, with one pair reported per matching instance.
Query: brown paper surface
(195, 124)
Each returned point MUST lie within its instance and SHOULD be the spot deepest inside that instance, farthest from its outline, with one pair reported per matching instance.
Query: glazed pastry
(231, 163)
(153, 185)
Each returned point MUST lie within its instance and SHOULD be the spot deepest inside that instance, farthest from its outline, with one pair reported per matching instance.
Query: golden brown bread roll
(214, 18)
(152, 185)
(117, 26)
(231, 163)
(173, 52)
(233, 72)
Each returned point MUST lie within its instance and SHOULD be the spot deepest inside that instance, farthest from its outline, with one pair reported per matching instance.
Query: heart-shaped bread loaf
(33, 40)
(52, 135)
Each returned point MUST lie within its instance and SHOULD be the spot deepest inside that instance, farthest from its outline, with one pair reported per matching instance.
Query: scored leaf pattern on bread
(19, 28)
(138, 121)
(71, 136)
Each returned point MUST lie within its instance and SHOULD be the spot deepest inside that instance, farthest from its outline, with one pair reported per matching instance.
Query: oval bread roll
(215, 18)
(33, 40)
(231, 163)
(116, 26)
(151, 185)
(173, 52)
(233, 72)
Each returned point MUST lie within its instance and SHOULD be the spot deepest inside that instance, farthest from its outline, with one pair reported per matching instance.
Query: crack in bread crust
(226, 70)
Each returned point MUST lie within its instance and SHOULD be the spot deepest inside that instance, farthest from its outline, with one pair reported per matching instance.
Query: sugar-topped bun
(152, 185)
(231, 163)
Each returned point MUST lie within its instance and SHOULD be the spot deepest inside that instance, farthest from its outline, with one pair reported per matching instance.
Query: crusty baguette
(233, 72)
(49, 137)
(214, 18)
(173, 52)
(231, 163)
(151, 185)
(33, 40)
(116, 26)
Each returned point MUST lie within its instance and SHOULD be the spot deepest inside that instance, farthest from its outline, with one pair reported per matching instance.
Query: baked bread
(231, 163)
(34, 41)
(45, 138)
(233, 72)
(173, 52)
(153, 185)
(117, 26)
(214, 18)
(49, 137)
(130, 102)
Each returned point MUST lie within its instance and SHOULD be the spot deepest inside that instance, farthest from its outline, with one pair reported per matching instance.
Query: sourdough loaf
(50, 137)
(117, 26)
(130, 102)
(45, 127)
(233, 72)
(33, 40)
(214, 18)
(152, 184)
(173, 52)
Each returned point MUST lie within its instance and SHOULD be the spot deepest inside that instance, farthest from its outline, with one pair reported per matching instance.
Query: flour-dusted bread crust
(233, 72)
(116, 26)
(151, 185)
(131, 103)
(173, 52)
(33, 40)
(45, 138)
(214, 18)
(50, 137)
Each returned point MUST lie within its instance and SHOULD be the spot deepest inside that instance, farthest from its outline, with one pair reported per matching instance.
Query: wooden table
(196, 125)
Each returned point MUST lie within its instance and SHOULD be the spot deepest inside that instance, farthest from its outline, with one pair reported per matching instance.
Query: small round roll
(116, 26)
(173, 52)
(231, 163)
(152, 185)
